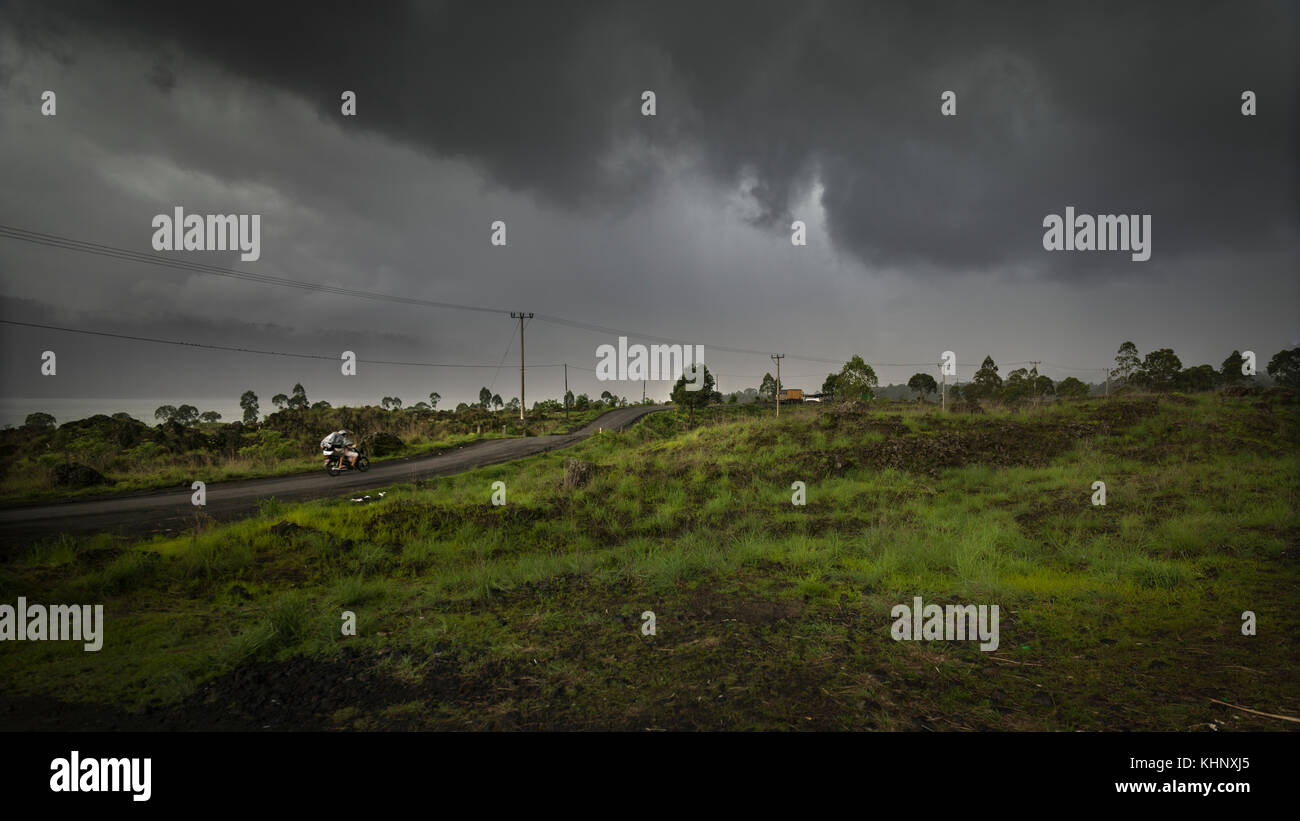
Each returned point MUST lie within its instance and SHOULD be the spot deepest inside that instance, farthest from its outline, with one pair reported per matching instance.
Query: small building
(792, 395)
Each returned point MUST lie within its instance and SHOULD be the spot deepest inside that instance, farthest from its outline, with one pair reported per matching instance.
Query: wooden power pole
(777, 357)
(943, 388)
(521, 316)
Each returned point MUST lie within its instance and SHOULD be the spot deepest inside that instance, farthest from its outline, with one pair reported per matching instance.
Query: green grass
(769, 615)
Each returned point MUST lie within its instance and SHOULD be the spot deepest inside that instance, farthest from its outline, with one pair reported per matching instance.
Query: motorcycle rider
(339, 439)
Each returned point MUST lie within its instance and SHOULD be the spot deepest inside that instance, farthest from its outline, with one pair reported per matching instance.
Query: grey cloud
(1111, 107)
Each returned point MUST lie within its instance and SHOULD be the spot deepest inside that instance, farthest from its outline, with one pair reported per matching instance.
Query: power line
(236, 349)
(98, 249)
(127, 255)
(497, 367)
(510, 343)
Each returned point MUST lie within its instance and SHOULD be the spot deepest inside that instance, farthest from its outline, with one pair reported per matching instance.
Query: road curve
(169, 511)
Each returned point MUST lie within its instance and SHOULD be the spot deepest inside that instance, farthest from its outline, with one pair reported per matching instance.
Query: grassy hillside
(768, 615)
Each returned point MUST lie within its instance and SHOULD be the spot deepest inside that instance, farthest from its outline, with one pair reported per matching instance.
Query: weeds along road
(162, 511)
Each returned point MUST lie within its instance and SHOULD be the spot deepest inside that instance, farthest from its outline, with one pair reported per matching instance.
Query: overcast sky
(924, 231)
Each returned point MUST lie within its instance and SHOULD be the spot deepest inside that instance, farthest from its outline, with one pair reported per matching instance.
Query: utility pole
(943, 388)
(777, 357)
(1034, 371)
(642, 391)
(566, 392)
(1108, 383)
(521, 316)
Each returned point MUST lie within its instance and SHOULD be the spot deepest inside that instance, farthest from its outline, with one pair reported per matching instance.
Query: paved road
(163, 511)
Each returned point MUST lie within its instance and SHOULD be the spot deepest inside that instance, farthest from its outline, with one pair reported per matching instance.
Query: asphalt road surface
(169, 511)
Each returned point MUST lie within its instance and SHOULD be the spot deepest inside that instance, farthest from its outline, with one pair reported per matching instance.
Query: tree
(1285, 368)
(1027, 384)
(186, 415)
(767, 388)
(164, 413)
(422, 406)
(1231, 373)
(1019, 385)
(321, 405)
(1159, 371)
(1071, 388)
(39, 421)
(1043, 385)
(582, 402)
(391, 403)
(986, 384)
(433, 400)
(691, 399)
(462, 407)
(484, 397)
(513, 404)
(607, 397)
(249, 403)
(1127, 363)
(856, 380)
(298, 401)
(568, 399)
(497, 401)
(1199, 378)
(280, 401)
(731, 400)
(831, 387)
(210, 416)
(923, 384)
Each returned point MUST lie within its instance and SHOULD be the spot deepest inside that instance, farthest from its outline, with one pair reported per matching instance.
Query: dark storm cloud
(1111, 108)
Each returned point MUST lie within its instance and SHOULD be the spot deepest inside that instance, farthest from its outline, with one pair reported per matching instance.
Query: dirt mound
(995, 442)
(410, 516)
(285, 528)
(304, 693)
(1122, 412)
(1239, 390)
(384, 444)
(74, 474)
(577, 473)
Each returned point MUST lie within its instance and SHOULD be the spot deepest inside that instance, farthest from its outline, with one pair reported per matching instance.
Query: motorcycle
(334, 464)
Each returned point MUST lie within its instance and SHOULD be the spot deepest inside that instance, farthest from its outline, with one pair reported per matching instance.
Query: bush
(270, 445)
(75, 475)
(383, 444)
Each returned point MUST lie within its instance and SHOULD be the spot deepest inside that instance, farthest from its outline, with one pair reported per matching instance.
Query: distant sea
(14, 409)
